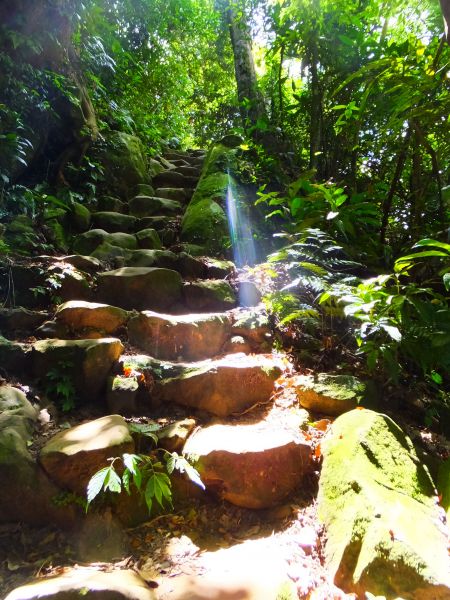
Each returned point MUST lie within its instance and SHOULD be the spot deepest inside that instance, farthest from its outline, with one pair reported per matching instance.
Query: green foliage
(59, 386)
(310, 262)
(397, 326)
(148, 475)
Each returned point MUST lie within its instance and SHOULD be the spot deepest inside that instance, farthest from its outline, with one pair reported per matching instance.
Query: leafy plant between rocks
(148, 474)
(59, 385)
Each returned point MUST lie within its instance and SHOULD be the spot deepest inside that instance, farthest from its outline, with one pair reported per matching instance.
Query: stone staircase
(161, 328)
(139, 327)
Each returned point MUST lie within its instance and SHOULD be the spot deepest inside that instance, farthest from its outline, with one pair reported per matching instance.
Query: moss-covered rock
(443, 485)
(114, 222)
(332, 394)
(87, 242)
(205, 224)
(111, 204)
(123, 160)
(140, 288)
(384, 530)
(205, 221)
(143, 206)
(79, 217)
(86, 363)
(212, 295)
(148, 239)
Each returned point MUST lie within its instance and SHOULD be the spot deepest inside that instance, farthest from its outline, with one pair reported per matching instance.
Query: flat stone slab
(186, 337)
(171, 179)
(114, 222)
(178, 194)
(138, 288)
(254, 466)
(385, 532)
(330, 394)
(88, 584)
(72, 456)
(88, 317)
(146, 206)
(87, 362)
(224, 386)
(86, 243)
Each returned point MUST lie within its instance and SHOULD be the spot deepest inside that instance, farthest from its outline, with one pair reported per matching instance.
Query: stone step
(87, 318)
(208, 385)
(186, 156)
(111, 204)
(188, 266)
(86, 243)
(222, 387)
(189, 171)
(180, 194)
(85, 582)
(174, 179)
(114, 222)
(212, 295)
(146, 206)
(87, 363)
(253, 466)
(71, 457)
(199, 336)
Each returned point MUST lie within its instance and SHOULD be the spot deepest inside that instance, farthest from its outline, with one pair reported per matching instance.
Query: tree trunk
(252, 107)
(445, 8)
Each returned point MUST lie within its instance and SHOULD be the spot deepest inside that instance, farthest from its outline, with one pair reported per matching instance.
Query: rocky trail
(146, 323)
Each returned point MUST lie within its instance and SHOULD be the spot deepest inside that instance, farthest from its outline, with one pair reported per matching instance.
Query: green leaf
(446, 280)
(392, 331)
(112, 481)
(436, 377)
(95, 484)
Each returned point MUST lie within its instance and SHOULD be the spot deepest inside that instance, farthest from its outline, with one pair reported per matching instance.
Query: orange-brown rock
(224, 386)
(254, 466)
(72, 456)
(80, 316)
(186, 337)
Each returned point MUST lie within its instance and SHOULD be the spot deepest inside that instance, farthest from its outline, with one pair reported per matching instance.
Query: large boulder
(205, 221)
(88, 584)
(331, 394)
(140, 288)
(205, 224)
(86, 362)
(123, 161)
(74, 455)
(186, 337)
(254, 466)
(27, 494)
(384, 530)
(83, 318)
(222, 387)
